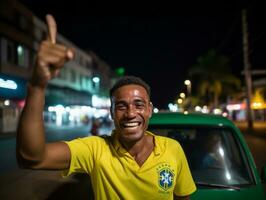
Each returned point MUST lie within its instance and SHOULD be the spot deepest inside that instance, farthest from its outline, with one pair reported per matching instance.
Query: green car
(220, 161)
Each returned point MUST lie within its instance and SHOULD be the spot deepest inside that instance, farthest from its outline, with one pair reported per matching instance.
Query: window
(73, 76)
(215, 155)
(85, 82)
(3, 43)
(10, 52)
(81, 61)
(14, 54)
(77, 78)
(22, 56)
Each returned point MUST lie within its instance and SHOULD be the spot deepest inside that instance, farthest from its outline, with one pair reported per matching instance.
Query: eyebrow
(135, 101)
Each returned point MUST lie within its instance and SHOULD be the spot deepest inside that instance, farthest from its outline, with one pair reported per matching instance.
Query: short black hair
(130, 80)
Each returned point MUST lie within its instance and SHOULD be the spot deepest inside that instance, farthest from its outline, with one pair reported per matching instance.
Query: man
(132, 163)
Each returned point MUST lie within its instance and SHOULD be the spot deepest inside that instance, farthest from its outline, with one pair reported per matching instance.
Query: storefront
(12, 100)
(65, 106)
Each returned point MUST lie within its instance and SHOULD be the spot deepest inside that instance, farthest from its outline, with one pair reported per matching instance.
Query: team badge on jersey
(165, 176)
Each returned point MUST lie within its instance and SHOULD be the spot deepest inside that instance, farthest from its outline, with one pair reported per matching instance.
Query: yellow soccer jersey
(116, 175)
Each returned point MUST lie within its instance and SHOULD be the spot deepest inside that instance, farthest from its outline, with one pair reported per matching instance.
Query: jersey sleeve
(184, 182)
(84, 152)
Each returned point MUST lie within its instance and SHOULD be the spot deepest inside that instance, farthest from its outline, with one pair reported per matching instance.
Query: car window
(215, 156)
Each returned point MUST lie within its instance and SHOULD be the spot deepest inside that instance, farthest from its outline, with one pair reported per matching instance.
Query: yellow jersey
(116, 175)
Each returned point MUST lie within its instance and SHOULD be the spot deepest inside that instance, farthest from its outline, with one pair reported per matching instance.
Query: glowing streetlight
(96, 81)
(182, 95)
(155, 110)
(188, 84)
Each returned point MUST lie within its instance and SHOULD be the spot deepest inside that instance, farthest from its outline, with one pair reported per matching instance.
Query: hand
(51, 57)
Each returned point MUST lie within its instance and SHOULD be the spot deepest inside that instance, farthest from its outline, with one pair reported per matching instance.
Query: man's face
(131, 110)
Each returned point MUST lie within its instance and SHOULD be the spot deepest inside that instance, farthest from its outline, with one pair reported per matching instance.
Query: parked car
(220, 161)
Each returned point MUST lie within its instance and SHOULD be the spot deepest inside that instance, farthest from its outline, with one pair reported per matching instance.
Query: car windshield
(214, 155)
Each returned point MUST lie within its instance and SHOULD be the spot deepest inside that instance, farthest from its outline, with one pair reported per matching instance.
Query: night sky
(159, 43)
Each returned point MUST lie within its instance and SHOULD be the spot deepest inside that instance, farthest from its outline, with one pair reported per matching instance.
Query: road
(8, 144)
(53, 133)
(256, 141)
(22, 184)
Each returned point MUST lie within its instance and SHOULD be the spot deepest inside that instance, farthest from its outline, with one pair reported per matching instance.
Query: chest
(157, 175)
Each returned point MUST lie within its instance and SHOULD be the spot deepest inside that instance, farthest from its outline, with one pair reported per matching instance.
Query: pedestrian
(96, 124)
(131, 163)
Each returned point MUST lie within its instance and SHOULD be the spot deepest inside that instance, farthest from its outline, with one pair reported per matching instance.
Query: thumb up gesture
(51, 57)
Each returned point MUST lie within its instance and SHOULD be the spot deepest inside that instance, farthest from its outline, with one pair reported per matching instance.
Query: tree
(212, 74)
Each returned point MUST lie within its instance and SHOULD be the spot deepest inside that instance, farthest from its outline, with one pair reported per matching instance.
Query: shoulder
(167, 144)
(90, 141)
(167, 141)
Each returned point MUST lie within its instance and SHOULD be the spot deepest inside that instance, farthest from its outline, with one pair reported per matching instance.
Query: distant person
(95, 127)
(132, 163)
(213, 157)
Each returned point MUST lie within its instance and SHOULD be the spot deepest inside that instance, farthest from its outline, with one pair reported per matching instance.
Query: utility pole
(247, 70)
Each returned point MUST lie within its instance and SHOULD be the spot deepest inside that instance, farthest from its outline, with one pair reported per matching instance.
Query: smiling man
(132, 163)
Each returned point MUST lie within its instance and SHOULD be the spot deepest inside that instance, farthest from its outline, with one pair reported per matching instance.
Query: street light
(96, 81)
(182, 95)
(188, 84)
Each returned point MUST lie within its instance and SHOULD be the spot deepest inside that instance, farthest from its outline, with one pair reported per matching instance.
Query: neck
(134, 147)
(141, 149)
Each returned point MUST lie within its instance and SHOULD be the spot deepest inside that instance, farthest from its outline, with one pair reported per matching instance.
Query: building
(259, 99)
(237, 106)
(82, 78)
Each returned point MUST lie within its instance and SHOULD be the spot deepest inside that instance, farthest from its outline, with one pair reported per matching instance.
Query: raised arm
(32, 151)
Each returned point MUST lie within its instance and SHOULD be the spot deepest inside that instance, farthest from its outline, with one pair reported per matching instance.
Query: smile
(131, 124)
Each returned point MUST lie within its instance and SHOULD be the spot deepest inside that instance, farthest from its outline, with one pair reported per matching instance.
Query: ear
(151, 109)
(112, 111)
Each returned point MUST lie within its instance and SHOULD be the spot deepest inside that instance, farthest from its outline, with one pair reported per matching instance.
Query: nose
(131, 112)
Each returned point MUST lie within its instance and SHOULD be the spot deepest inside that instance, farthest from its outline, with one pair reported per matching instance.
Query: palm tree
(213, 77)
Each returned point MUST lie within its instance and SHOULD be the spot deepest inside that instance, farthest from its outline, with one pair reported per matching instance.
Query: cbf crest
(165, 176)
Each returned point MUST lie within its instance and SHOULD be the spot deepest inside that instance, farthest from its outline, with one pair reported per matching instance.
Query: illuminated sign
(8, 84)
(99, 102)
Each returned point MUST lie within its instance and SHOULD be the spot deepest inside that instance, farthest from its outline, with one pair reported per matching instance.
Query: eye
(120, 106)
(140, 105)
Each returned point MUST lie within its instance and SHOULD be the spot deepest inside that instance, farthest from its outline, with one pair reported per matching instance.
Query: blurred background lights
(96, 79)
(228, 176)
(179, 101)
(225, 114)
(6, 102)
(205, 109)
(172, 107)
(182, 95)
(217, 111)
(20, 50)
(197, 108)
(8, 84)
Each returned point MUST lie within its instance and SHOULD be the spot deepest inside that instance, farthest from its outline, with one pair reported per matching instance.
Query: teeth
(132, 124)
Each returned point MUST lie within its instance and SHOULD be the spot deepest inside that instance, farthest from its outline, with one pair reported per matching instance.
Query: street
(16, 183)
(8, 144)
(256, 141)
(20, 184)
(53, 133)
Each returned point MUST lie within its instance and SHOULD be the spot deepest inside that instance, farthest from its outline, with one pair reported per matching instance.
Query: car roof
(189, 119)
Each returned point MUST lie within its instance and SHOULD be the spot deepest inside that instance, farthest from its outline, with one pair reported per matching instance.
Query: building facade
(21, 33)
